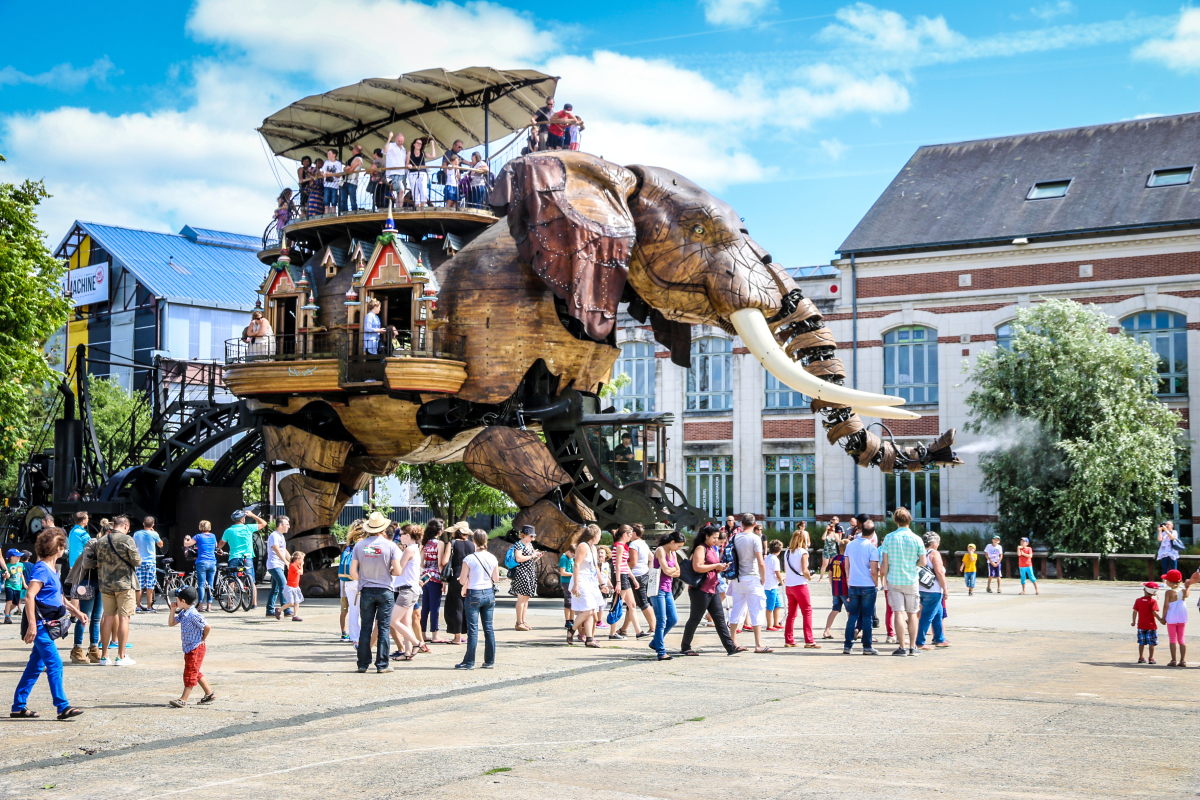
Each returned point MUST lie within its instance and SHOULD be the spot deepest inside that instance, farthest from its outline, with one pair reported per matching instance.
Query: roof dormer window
(1048, 189)
(1175, 176)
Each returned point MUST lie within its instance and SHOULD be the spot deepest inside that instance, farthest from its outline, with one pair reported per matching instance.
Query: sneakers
(139, 610)
(616, 636)
(345, 636)
(488, 666)
(870, 651)
(108, 661)
(152, 610)
(464, 666)
(912, 651)
(890, 640)
(644, 634)
(380, 670)
(127, 661)
(845, 651)
(899, 651)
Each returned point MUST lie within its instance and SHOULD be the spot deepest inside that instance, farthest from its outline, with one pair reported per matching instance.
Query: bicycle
(232, 588)
(168, 581)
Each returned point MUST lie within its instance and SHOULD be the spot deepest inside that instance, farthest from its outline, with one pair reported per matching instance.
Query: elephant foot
(554, 528)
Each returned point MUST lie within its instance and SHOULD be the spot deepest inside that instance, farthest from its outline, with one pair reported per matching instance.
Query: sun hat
(376, 523)
(1173, 576)
(459, 527)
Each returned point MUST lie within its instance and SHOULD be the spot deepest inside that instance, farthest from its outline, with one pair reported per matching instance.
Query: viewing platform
(338, 362)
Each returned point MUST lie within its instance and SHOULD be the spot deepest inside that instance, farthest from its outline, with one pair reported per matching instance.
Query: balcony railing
(349, 347)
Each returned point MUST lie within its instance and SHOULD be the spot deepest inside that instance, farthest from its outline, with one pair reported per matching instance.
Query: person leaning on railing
(259, 335)
(302, 176)
(348, 199)
(371, 327)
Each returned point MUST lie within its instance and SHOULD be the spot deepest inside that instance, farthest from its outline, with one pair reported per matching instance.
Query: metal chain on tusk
(800, 329)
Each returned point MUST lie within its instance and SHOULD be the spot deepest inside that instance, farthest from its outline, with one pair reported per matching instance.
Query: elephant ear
(569, 214)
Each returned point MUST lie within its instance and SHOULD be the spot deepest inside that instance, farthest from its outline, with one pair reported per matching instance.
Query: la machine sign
(87, 285)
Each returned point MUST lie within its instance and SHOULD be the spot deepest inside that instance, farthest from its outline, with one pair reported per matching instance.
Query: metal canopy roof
(432, 102)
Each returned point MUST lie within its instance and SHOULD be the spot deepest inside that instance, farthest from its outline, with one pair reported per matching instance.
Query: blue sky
(799, 114)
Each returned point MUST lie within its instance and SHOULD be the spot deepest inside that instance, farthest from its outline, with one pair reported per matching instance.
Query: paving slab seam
(315, 716)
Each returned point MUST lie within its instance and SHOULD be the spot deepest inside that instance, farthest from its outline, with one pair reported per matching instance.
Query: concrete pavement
(1037, 697)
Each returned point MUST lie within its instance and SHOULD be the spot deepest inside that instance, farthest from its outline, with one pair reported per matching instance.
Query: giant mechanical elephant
(535, 297)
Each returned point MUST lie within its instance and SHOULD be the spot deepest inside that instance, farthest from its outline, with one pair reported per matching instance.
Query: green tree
(120, 418)
(452, 492)
(1082, 451)
(31, 310)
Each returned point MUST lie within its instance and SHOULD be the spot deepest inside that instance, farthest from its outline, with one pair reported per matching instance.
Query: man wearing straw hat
(375, 562)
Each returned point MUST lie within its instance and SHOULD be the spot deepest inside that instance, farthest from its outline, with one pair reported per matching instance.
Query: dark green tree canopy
(31, 310)
(1082, 451)
(452, 492)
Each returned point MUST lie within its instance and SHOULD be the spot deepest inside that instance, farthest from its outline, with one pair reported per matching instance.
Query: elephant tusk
(752, 326)
(885, 413)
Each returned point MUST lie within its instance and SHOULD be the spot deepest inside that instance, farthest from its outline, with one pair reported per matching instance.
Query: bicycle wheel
(228, 593)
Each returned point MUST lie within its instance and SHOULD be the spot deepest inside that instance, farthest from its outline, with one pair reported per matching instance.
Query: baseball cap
(1150, 586)
(239, 514)
(1173, 576)
(13, 554)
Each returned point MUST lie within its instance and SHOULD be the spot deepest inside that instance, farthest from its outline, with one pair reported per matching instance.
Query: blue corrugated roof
(179, 269)
(242, 241)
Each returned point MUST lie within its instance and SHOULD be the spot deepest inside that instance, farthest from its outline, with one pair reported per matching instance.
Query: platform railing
(348, 346)
(368, 200)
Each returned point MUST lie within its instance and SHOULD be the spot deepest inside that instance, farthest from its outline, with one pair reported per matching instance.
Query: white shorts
(749, 601)
(589, 598)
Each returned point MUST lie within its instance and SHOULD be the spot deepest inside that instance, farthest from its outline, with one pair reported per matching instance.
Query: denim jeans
(92, 609)
(278, 581)
(331, 196)
(348, 194)
(431, 603)
(206, 573)
(481, 603)
(665, 618)
(860, 605)
(375, 611)
(931, 612)
(43, 658)
(247, 565)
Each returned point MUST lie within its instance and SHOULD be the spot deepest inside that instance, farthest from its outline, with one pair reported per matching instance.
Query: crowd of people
(394, 176)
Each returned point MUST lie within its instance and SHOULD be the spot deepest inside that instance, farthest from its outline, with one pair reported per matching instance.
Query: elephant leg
(519, 464)
(800, 329)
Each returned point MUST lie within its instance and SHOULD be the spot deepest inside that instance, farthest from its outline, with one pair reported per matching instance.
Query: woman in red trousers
(795, 578)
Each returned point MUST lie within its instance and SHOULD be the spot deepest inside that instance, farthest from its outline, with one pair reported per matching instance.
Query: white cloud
(733, 12)
(885, 40)
(62, 76)
(355, 39)
(1182, 50)
(833, 148)
(1049, 11)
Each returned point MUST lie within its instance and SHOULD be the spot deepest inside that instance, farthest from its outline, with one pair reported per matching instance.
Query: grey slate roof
(974, 192)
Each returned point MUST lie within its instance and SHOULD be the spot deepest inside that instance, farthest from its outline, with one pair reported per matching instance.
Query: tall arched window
(710, 380)
(1004, 336)
(910, 364)
(920, 493)
(1167, 334)
(638, 362)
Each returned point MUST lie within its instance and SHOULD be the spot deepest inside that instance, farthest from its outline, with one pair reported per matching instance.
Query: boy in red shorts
(193, 630)
(1145, 614)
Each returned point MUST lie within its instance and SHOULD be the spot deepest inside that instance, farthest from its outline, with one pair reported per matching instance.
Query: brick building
(931, 276)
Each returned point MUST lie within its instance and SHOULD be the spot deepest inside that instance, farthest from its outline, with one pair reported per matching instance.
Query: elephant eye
(698, 229)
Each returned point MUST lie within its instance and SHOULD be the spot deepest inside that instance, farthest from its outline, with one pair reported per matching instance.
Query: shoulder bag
(787, 559)
(926, 577)
(687, 572)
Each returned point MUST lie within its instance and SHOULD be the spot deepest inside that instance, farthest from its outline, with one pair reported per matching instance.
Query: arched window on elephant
(910, 364)
(710, 380)
(636, 361)
(1167, 334)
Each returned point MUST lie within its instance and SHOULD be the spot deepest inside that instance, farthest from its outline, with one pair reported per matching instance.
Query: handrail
(347, 346)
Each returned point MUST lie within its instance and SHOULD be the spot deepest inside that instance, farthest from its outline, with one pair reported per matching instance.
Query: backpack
(731, 574)
(344, 564)
(510, 558)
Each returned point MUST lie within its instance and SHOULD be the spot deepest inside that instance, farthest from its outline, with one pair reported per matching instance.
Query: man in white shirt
(333, 181)
(395, 160)
(862, 562)
(639, 567)
(278, 559)
(749, 598)
(375, 563)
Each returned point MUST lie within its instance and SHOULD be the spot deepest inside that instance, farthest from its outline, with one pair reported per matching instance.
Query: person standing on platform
(348, 197)
(394, 159)
(540, 120)
(240, 538)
